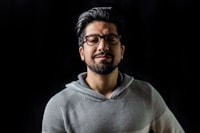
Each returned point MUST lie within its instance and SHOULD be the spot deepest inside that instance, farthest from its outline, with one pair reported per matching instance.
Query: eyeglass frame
(100, 37)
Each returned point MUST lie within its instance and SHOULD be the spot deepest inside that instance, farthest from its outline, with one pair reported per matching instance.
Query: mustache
(104, 53)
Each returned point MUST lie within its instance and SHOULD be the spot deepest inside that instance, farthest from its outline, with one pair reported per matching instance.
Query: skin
(101, 83)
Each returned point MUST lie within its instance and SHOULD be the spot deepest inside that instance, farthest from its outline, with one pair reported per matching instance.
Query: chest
(109, 116)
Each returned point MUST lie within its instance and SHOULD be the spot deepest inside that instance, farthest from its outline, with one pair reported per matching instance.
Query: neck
(103, 84)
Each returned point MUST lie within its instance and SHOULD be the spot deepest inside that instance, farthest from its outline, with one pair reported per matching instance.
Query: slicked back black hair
(107, 14)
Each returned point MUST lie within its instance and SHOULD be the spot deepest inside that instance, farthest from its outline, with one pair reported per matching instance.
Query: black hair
(107, 14)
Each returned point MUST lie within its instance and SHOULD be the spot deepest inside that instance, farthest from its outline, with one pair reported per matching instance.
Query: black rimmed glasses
(95, 39)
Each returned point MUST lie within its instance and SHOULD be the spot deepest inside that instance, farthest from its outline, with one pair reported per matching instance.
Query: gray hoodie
(134, 107)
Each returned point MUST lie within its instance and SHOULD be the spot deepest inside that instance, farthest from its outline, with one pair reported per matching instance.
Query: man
(103, 99)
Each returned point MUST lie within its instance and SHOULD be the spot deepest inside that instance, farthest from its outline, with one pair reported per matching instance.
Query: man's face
(102, 50)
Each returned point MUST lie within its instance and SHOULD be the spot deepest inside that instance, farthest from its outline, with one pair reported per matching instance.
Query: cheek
(86, 53)
(119, 54)
(118, 58)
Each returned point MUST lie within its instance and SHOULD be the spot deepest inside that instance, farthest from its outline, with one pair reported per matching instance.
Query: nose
(103, 46)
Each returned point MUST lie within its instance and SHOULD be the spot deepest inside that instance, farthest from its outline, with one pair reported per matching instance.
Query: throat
(103, 84)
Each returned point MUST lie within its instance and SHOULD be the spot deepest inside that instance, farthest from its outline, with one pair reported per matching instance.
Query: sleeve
(164, 120)
(52, 118)
(167, 123)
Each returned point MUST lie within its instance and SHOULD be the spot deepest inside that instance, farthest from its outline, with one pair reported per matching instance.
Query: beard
(102, 68)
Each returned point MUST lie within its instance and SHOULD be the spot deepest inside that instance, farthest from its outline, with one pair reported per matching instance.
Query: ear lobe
(82, 58)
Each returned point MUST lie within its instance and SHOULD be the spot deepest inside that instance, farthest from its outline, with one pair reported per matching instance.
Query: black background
(40, 54)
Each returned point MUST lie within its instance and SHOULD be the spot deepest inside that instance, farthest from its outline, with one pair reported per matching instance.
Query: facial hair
(104, 67)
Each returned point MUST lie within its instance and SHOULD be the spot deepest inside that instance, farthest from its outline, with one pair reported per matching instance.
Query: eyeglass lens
(95, 39)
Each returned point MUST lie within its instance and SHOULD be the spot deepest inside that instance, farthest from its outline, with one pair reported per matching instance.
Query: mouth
(103, 56)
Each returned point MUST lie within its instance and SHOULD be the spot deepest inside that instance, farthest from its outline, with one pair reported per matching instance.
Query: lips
(102, 56)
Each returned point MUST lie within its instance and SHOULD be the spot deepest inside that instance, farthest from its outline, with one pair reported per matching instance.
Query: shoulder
(129, 79)
(65, 97)
(142, 88)
(147, 89)
(138, 84)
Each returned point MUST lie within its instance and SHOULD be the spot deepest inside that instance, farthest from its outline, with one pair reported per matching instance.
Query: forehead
(100, 27)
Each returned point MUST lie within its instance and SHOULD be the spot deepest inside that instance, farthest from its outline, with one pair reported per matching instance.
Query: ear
(81, 52)
(122, 51)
